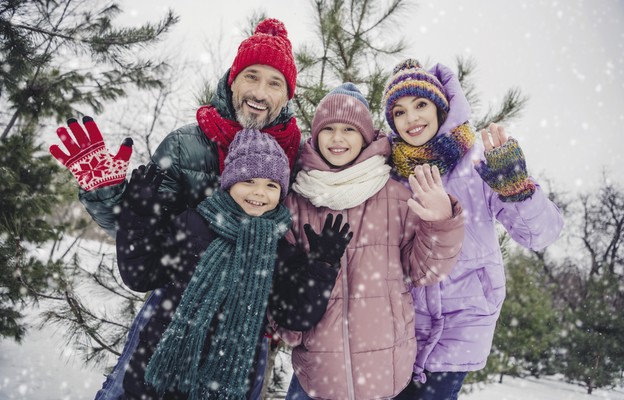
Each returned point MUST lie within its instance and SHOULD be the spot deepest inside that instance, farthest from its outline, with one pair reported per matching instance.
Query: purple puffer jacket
(455, 319)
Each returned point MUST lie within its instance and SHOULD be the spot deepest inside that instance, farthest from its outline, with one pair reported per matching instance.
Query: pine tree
(348, 50)
(57, 58)
(594, 345)
(528, 328)
(31, 186)
(58, 55)
(590, 295)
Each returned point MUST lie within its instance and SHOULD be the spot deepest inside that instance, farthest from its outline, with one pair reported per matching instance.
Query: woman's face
(415, 119)
(340, 143)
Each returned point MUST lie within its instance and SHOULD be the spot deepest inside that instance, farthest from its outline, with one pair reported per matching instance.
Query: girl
(363, 346)
(455, 318)
(217, 266)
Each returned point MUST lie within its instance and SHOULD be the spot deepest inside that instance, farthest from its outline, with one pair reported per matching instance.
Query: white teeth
(256, 105)
(337, 151)
(416, 130)
(255, 203)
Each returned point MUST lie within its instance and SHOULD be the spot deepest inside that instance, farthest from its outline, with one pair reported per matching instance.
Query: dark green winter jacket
(190, 159)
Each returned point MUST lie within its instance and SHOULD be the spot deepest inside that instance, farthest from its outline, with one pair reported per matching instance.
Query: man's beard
(252, 121)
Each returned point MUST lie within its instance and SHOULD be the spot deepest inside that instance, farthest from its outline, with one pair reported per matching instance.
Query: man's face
(259, 93)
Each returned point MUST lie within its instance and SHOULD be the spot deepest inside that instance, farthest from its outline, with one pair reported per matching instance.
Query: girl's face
(415, 119)
(340, 143)
(256, 196)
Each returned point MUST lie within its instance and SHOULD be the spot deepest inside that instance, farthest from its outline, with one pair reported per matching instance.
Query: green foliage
(348, 50)
(594, 344)
(588, 290)
(527, 331)
(58, 55)
(32, 186)
(510, 108)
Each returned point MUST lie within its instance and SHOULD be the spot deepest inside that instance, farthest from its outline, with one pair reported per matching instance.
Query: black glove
(330, 244)
(142, 196)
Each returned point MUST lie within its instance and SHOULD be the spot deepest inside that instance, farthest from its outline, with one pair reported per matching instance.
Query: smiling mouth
(416, 131)
(337, 151)
(256, 106)
(255, 203)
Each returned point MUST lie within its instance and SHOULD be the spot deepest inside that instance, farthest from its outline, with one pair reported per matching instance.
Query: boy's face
(259, 92)
(256, 196)
(415, 119)
(340, 143)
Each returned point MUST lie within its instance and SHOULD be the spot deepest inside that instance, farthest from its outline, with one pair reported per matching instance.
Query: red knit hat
(269, 45)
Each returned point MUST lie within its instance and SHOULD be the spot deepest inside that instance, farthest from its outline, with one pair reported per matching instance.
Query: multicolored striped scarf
(443, 151)
(229, 291)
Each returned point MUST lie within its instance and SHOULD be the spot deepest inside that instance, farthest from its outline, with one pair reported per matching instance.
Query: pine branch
(510, 108)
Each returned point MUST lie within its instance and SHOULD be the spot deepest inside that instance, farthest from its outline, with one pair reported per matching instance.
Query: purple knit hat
(255, 154)
(345, 104)
(409, 78)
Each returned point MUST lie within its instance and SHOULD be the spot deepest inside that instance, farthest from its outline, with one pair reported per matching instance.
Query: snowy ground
(43, 369)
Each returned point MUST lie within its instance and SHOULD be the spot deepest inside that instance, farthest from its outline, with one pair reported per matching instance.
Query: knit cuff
(505, 172)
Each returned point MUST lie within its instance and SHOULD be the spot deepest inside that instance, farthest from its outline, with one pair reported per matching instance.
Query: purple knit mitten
(505, 172)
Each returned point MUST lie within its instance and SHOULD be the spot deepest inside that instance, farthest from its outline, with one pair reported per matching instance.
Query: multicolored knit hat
(410, 79)
(255, 154)
(269, 45)
(345, 104)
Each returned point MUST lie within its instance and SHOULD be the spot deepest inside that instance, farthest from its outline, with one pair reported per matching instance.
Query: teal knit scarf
(229, 289)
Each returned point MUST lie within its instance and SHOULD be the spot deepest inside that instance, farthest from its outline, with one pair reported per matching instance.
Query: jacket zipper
(345, 328)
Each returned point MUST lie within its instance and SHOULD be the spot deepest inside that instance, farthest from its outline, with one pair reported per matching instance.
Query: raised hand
(497, 139)
(429, 199)
(87, 158)
(142, 195)
(504, 168)
(329, 245)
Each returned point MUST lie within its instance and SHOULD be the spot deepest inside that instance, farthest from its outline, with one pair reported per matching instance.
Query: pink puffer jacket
(364, 347)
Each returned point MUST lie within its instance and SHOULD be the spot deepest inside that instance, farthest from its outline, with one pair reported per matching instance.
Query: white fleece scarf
(344, 189)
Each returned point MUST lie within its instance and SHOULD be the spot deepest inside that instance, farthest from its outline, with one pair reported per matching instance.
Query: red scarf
(222, 132)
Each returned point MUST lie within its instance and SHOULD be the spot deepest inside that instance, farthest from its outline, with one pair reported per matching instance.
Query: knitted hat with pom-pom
(269, 45)
(255, 154)
(409, 78)
(345, 104)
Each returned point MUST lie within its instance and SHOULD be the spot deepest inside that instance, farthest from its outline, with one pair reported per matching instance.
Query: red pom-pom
(271, 26)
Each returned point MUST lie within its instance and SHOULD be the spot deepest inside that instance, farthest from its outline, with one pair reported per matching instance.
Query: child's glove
(88, 160)
(505, 171)
(330, 244)
(142, 196)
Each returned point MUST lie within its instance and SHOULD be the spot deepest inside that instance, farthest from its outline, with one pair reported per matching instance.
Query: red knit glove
(88, 160)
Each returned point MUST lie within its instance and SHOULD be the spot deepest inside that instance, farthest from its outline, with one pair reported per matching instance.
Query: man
(254, 93)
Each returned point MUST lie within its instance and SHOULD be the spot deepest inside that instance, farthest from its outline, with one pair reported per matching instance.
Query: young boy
(220, 266)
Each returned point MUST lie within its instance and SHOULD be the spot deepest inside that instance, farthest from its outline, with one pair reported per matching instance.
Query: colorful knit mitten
(505, 172)
(88, 160)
